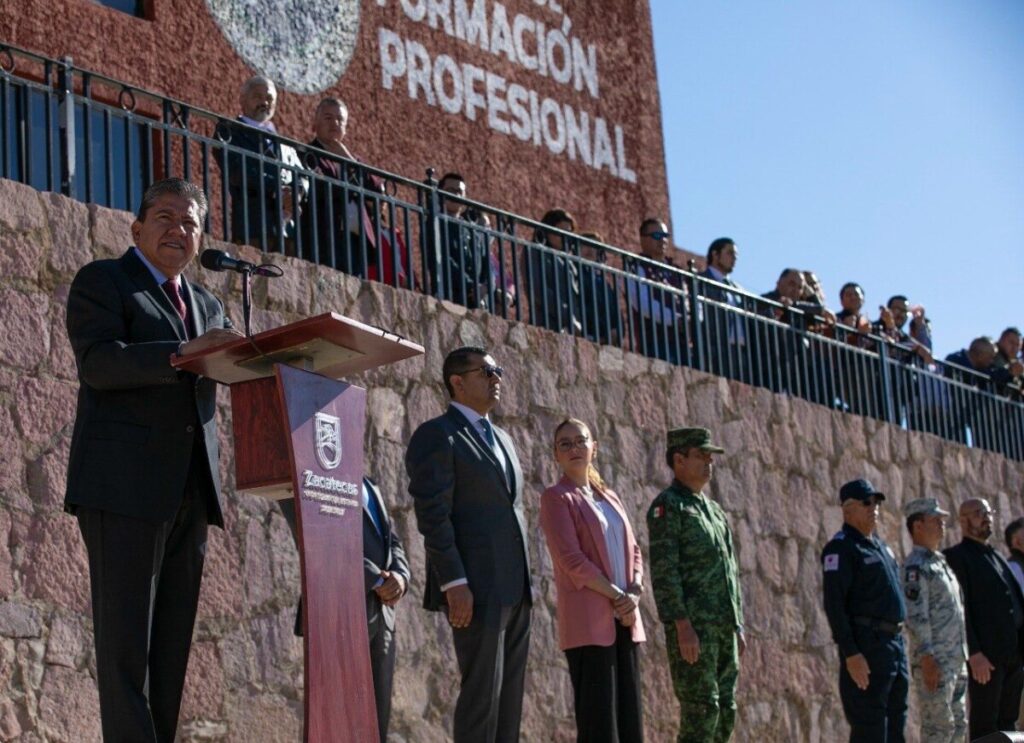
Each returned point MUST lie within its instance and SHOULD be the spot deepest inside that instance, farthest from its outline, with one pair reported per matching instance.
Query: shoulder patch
(912, 573)
(839, 535)
(831, 562)
(657, 512)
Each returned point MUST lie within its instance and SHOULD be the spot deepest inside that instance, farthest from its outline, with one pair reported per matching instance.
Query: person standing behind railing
(1008, 362)
(600, 304)
(342, 215)
(599, 577)
(974, 367)
(552, 280)
(726, 332)
(264, 196)
(657, 315)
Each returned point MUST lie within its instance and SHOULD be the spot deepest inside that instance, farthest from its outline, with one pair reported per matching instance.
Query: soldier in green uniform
(697, 590)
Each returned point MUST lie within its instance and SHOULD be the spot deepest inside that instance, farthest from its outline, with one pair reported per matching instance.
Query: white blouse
(614, 530)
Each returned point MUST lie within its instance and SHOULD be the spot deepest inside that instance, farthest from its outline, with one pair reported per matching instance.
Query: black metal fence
(99, 140)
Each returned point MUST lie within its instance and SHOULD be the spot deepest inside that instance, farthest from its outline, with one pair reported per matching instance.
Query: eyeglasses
(870, 502)
(567, 445)
(658, 235)
(489, 369)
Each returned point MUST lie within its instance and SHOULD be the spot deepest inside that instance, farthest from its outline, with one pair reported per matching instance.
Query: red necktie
(173, 291)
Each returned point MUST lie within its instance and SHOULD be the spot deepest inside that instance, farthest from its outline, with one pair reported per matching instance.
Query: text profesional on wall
(541, 45)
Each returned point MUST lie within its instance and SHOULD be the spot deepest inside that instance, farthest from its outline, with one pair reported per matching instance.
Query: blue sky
(878, 141)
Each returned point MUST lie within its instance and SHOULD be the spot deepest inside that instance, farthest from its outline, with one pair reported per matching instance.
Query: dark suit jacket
(987, 583)
(138, 418)
(473, 526)
(380, 552)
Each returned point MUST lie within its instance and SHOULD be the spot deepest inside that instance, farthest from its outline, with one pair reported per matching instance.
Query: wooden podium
(299, 434)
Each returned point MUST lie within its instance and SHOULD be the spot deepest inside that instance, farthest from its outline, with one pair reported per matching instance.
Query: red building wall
(462, 85)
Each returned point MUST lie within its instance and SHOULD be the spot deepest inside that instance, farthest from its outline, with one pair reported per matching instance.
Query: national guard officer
(696, 586)
(935, 620)
(865, 610)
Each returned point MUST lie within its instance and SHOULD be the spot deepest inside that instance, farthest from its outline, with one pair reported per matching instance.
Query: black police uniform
(865, 610)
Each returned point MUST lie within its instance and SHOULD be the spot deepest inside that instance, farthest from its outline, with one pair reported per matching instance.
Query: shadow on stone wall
(778, 482)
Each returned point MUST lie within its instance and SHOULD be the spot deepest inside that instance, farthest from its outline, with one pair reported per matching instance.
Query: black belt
(893, 628)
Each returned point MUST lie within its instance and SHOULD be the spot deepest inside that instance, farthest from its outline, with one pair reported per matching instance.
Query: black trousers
(877, 714)
(382, 664)
(145, 591)
(606, 691)
(491, 653)
(994, 706)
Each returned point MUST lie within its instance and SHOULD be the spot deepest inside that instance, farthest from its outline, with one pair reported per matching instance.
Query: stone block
(221, 594)
(55, 567)
(69, 641)
(24, 317)
(12, 473)
(386, 410)
(21, 209)
(204, 692)
(19, 620)
(69, 708)
(10, 726)
(21, 256)
(62, 358)
(45, 409)
(110, 231)
(70, 246)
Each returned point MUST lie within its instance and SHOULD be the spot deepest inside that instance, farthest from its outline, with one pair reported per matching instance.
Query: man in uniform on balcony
(865, 609)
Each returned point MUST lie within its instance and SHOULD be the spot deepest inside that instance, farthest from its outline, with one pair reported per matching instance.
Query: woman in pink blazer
(599, 576)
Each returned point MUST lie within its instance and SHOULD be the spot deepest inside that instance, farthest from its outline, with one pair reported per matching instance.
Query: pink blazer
(579, 553)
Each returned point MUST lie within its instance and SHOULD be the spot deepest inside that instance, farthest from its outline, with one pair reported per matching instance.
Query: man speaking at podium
(143, 477)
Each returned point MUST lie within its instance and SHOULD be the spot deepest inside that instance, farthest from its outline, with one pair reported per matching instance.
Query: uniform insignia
(912, 588)
(659, 511)
(831, 562)
(840, 535)
(891, 553)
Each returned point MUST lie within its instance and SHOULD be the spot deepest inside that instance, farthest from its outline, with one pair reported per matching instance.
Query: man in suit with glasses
(466, 485)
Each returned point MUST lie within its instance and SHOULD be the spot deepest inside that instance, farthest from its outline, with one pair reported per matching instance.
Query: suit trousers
(606, 690)
(145, 581)
(382, 665)
(994, 706)
(491, 653)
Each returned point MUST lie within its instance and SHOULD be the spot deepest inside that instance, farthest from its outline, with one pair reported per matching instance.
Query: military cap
(924, 506)
(860, 489)
(692, 438)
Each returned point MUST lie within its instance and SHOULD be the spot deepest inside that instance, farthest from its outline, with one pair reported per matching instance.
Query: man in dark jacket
(143, 475)
(994, 608)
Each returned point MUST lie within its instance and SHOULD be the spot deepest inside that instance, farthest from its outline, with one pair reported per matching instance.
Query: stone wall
(778, 483)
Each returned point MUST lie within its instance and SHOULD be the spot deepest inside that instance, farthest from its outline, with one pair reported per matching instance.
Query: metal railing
(100, 140)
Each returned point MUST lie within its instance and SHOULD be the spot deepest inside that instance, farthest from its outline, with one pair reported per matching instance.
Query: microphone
(218, 260)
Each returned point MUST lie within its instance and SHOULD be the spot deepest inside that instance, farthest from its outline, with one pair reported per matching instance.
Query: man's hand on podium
(209, 339)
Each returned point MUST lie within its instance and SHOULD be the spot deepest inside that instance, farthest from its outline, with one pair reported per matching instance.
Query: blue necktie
(370, 504)
(488, 433)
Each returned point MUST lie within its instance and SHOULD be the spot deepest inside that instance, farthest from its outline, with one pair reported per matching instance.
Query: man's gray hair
(330, 101)
(258, 80)
(174, 187)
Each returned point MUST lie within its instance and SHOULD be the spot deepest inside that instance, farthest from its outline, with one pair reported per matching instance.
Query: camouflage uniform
(935, 620)
(694, 576)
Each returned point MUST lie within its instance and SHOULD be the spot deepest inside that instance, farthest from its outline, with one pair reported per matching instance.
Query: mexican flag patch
(659, 511)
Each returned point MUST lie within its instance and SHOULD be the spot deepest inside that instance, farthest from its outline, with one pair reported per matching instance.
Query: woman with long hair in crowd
(599, 578)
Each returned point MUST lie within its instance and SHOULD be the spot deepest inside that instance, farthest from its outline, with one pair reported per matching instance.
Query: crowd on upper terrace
(565, 277)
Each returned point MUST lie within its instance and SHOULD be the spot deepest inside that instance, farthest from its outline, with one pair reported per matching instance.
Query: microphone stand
(247, 300)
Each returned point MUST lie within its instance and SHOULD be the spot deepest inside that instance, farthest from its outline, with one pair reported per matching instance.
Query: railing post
(66, 118)
(888, 408)
(696, 322)
(433, 250)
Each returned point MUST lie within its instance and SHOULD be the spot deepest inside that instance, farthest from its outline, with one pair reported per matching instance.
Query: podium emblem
(328, 440)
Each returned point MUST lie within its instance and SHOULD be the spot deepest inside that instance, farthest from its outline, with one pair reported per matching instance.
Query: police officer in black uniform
(865, 609)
